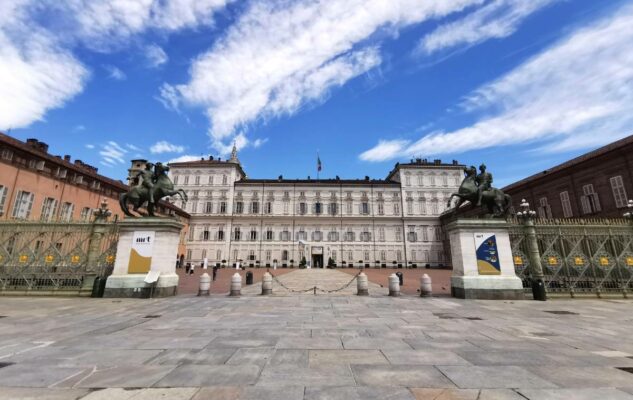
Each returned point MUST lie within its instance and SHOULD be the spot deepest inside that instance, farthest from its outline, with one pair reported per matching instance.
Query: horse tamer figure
(154, 185)
(478, 190)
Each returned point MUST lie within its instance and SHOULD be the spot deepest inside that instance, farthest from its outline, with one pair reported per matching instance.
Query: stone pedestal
(145, 244)
(482, 260)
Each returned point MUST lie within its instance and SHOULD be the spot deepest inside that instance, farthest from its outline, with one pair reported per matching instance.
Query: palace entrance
(317, 257)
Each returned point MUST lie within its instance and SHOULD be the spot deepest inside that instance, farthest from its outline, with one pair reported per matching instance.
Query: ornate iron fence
(47, 257)
(579, 256)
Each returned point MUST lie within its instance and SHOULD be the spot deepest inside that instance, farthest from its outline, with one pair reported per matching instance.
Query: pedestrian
(215, 272)
(187, 268)
(193, 266)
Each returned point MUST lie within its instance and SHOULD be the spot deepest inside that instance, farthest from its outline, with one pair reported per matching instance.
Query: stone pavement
(314, 347)
(302, 282)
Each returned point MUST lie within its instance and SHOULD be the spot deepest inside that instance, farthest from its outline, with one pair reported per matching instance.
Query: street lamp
(526, 215)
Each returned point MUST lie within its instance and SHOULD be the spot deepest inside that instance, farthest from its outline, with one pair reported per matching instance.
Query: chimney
(67, 158)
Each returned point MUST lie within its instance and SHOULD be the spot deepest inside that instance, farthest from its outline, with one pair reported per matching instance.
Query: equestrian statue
(477, 189)
(154, 184)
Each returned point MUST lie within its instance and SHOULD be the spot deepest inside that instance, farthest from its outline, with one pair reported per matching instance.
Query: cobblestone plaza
(314, 347)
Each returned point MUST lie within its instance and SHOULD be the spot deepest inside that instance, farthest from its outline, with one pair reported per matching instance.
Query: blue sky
(520, 85)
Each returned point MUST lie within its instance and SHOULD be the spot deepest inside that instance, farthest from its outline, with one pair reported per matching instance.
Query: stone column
(267, 284)
(205, 284)
(362, 285)
(236, 285)
(394, 285)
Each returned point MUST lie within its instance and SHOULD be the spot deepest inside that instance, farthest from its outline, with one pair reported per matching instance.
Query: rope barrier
(314, 288)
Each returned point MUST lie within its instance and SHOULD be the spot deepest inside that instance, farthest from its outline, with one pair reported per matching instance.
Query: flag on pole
(318, 163)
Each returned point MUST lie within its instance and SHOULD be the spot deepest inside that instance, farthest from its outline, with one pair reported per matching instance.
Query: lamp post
(526, 215)
(629, 214)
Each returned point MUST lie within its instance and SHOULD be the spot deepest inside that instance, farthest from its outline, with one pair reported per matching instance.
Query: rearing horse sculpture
(161, 187)
(494, 200)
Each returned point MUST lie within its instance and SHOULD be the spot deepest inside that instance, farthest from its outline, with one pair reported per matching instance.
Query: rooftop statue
(154, 184)
(477, 189)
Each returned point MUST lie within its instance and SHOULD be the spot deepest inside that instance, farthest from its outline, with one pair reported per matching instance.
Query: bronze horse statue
(494, 200)
(161, 187)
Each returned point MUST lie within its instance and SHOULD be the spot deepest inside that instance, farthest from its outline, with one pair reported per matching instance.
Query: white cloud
(115, 73)
(385, 150)
(90, 146)
(112, 153)
(259, 142)
(498, 19)
(155, 55)
(185, 158)
(132, 147)
(38, 70)
(577, 93)
(279, 56)
(165, 147)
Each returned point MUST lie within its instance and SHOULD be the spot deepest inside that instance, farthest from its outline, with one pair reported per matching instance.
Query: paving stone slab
(327, 357)
(374, 343)
(218, 393)
(584, 377)
(125, 377)
(258, 356)
(357, 393)
(33, 375)
(204, 356)
(17, 393)
(465, 394)
(332, 375)
(400, 375)
(237, 342)
(502, 377)
(317, 343)
(575, 394)
(424, 357)
(296, 357)
(210, 375)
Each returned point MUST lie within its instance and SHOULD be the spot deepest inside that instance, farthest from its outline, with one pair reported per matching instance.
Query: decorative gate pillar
(145, 244)
(482, 260)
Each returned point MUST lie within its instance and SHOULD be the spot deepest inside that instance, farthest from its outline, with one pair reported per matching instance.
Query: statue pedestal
(145, 244)
(482, 261)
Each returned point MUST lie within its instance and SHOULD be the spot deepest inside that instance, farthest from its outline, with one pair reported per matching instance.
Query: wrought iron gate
(55, 258)
(579, 257)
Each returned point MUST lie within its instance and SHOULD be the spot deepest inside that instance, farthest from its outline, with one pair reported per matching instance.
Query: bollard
(236, 285)
(426, 287)
(267, 284)
(361, 285)
(205, 284)
(394, 285)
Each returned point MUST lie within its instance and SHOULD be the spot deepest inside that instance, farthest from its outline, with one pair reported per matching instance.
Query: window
(269, 234)
(383, 255)
(349, 235)
(205, 233)
(237, 234)
(255, 207)
(210, 179)
(412, 236)
(85, 214)
(224, 179)
(317, 236)
(414, 255)
(407, 180)
(544, 210)
(420, 180)
(333, 208)
(381, 208)
(396, 208)
(366, 256)
(381, 234)
(221, 234)
(435, 207)
(444, 180)
(239, 207)
(423, 206)
(253, 234)
(194, 207)
(409, 206)
(398, 234)
(197, 180)
(365, 208)
(186, 180)
(398, 255)
(425, 233)
(334, 255)
(302, 235)
(365, 236)
(223, 207)
(268, 255)
(7, 154)
(303, 208)
(619, 193)
(49, 207)
(176, 179)
(218, 255)
(349, 207)
(318, 208)
(590, 201)
(188, 254)
(269, 208)
(3, 198)
(251, 255)
(66, 212)
(23, 204)
(284, 255)
(286, 206)
(285, 235)
(332, 236)
(191, 232)
(209, 207)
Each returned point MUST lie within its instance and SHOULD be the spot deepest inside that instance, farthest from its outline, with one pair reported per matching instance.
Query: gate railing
(56, 257)
(578, 256)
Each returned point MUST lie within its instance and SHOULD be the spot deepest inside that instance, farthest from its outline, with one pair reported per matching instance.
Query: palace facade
(369, 222)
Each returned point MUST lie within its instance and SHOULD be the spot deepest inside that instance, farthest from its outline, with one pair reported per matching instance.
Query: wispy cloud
(578, 92)
(115, 73)
(112, 154)
(90, 146)
(185, 158)
(165, 147)
(498, 19)
(155, 56)
(280, 55)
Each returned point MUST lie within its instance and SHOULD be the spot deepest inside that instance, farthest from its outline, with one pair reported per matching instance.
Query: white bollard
(426, 287)
(236, 285)
(394, 285)
(205, 285)
(267, 284)
(361, 285)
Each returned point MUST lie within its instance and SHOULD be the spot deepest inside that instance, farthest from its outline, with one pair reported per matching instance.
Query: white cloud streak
(112, 154)
(155, 55)
(164, 146)
(115, 73)
(576, 94)
(498, 19)
(280, 55)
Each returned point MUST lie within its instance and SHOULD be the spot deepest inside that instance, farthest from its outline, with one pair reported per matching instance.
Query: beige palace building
(257, 222)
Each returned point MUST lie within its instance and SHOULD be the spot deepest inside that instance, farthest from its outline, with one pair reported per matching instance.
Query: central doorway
(317, 260)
